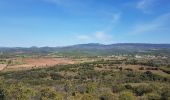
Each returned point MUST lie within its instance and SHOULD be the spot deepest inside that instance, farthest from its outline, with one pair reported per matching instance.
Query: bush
(91, 88)
(141, 68)
(148, 75)
(117, 88)
(81, 89)
(153, 96)
(108, 96)
(2, 95)
(87, 97)
(165, 95)
(56, 76)
(127, 86)
(18, 92)
(126, 96)
(142, 89)
(49, 94)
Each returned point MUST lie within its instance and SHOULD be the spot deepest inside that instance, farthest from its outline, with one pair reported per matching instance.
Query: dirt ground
(28, 63)
(46, 61)
(2, 66)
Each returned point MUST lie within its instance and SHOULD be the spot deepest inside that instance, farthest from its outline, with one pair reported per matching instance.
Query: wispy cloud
(158, 24)
(83, 37)
(102, 36)
(99, 36)
(59, 2)
(116, 17)
(146, 5)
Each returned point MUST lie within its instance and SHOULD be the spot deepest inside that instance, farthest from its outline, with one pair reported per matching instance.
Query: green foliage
(91, 88)
(127, 96)
(117, 88)
(128, 86)
(56, 76)
(142, 89)
(83, 81)
(49, 94)
(87, 97)
(153, 96)
(18, 92)
(108, 96)
(165, 95)
(2, 95)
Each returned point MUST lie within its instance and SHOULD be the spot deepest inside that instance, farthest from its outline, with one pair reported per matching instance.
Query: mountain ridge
(93, 49)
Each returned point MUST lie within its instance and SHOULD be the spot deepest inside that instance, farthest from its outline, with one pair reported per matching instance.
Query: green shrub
(153, 96)
(91, 88)
(50, 94)
(142, 89)
(127, 96)
(165, 95)
(18, 92)
(56, 76)
(117, 88)
(127, 86)
(2, 95)
(108, 96)
(87, 97)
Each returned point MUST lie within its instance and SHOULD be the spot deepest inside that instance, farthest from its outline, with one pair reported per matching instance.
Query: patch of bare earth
(2, 66)
(29, 63)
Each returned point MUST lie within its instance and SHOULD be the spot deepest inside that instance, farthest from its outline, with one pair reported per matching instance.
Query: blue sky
(25, 23)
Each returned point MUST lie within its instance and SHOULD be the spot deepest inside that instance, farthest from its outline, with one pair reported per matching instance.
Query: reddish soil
(46, 61)
(28, 63)
(2, 66)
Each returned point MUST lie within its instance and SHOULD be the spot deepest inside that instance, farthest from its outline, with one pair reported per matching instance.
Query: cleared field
(46, 61)
(28, 63)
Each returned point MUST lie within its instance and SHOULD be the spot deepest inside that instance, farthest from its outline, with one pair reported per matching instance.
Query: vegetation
(115, 77)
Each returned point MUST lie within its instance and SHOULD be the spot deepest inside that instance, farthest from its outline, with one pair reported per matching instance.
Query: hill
(93, 49)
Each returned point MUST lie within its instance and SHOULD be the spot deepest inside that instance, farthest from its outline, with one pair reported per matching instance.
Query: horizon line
(82, 44)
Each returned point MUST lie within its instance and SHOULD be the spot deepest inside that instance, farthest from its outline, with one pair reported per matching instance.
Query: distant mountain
(94, 49)
(126, 46)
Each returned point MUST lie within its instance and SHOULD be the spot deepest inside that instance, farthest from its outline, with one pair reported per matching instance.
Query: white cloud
(83, 37)
(158, 24)
(146, 5)
(116, 17)
(99, 36)
(102, 36)
(58, 2)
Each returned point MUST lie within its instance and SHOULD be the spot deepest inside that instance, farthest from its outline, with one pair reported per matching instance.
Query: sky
(26, 23)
